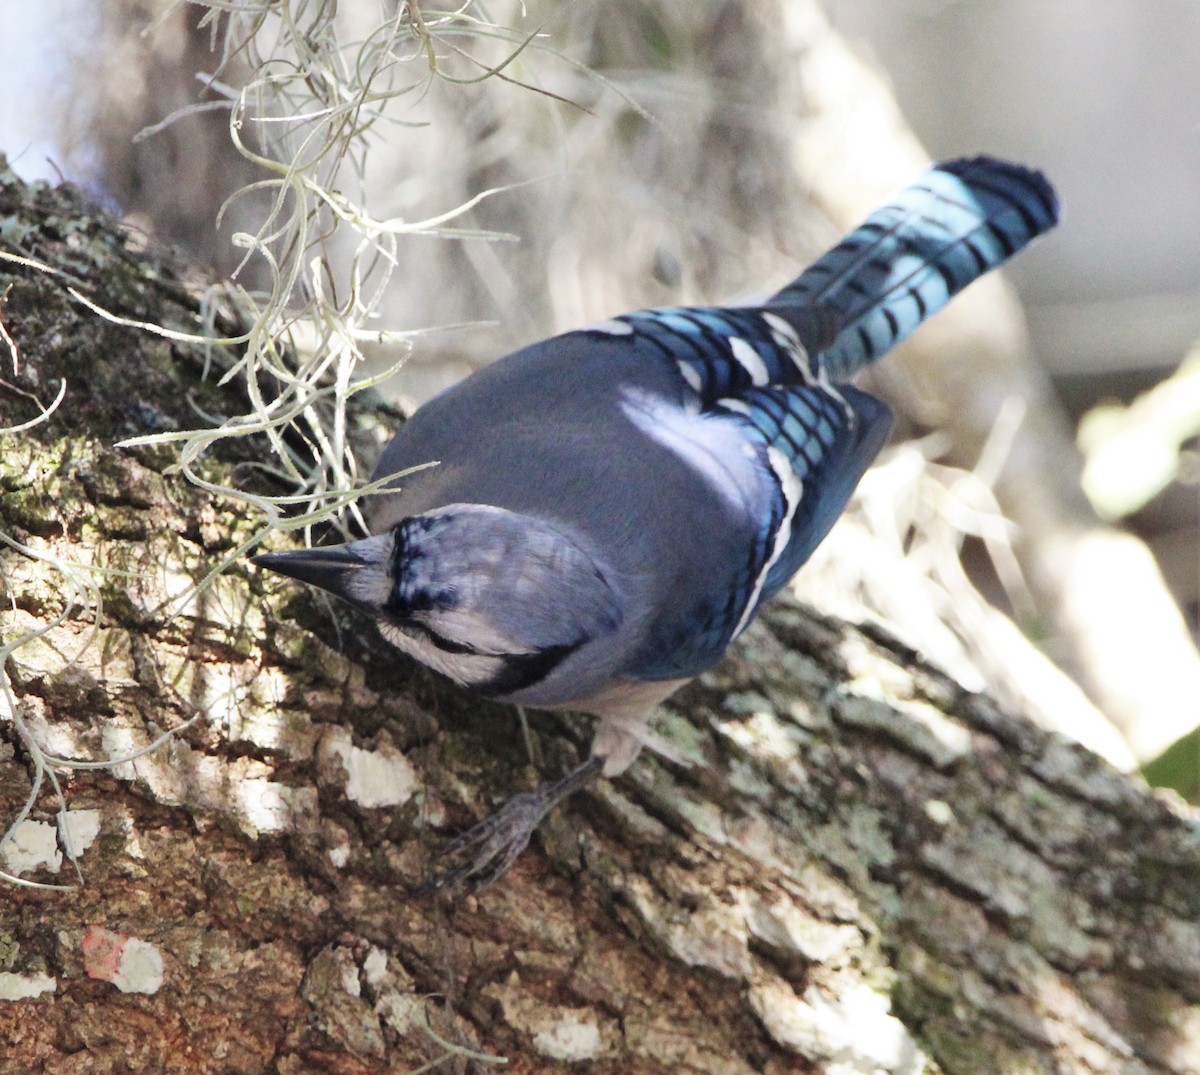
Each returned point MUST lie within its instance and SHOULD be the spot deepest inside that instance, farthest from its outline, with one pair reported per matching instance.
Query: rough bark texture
(864, 869)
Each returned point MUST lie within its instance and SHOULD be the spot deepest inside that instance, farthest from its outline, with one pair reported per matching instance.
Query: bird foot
(488, 849)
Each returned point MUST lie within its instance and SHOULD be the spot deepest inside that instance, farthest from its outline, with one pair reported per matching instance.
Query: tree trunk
(864, 868)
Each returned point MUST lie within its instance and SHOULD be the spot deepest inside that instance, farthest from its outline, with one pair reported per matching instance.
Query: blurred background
(1045, 487)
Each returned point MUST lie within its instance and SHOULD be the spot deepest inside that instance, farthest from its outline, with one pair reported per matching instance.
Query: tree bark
(864, 868)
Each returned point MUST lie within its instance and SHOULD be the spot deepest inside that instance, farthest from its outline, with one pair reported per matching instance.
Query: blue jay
(610, 507)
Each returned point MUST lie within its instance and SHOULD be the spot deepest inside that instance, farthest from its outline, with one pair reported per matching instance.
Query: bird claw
(493, 845)
(489, 848)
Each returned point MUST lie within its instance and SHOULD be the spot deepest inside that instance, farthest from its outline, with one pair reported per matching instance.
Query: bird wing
(810, 445)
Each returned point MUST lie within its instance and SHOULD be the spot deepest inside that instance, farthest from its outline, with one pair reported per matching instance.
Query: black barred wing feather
(828, 438)
(813, 445)
(719, 351)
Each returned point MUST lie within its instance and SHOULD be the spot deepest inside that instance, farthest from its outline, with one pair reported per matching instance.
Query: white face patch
(612, 327)
(469, 669)
(750, 361)
(792, 488)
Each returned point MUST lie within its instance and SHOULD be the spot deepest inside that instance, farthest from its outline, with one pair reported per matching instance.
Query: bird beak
(329, 568)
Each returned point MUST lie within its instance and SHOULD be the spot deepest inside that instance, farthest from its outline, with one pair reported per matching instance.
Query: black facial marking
(446, 645)
(520, 671)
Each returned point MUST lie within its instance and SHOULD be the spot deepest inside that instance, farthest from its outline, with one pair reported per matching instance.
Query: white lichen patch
(336, 841)
(402, 1011)
(333, 991)
(373, 778)
(140, 969)
(78, 829)
(576, 1036)
(218, 692)
(263, 806)
(396, 1001)
(351, 982)
(939, 812)
(120, 740)
(793, 932)
(870, 674)
(25, 986)
(30, 846)
(130, 963)
(567, 1035)
(755, 838)
(166, 584)
(763, 735)
(375, 967)
(133, 840)
(261, 719)
(43, 656)
(853, 1029)
(676, 738)
(179, 775)
(705, 819)
(713, 936)
(62, 739)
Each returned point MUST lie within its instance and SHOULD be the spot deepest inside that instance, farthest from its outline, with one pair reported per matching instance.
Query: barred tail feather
(960, 220)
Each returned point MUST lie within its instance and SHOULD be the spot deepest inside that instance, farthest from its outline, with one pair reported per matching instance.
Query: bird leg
(493, 845)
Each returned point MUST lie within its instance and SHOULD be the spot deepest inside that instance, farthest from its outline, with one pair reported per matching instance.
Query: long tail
(960, 220)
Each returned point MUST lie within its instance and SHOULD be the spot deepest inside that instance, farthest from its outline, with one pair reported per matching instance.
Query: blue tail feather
(908, 259)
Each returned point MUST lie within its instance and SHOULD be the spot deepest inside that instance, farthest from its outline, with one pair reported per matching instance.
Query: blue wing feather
(830, 442)
(722, 352)
(826, 440)
(780, 371)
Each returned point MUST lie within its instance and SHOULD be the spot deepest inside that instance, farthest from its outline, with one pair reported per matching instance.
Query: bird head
(490, 597)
